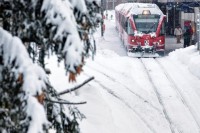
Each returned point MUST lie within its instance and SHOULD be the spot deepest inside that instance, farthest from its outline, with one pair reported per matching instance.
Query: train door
(128, 33)
(124, 30)
(161, 38)
(163, 29)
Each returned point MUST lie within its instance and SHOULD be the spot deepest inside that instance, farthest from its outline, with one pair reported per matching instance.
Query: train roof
(138, 8)
(119, 7)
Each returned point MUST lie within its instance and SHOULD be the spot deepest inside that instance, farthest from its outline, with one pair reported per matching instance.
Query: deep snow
(131, 95)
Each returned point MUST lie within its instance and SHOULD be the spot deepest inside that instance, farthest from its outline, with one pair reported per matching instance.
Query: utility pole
(113, 4)
(198, 30)
(174, 9)
(102, 18)
(106, 5)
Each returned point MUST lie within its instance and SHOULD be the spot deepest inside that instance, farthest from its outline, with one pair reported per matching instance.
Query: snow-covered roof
(138, 8)
(126, 8)
(119, 7)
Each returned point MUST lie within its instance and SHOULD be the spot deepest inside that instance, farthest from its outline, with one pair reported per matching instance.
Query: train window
(123, 22)
(129, 28)
(162, 30)
(146, 16)
(146, 25)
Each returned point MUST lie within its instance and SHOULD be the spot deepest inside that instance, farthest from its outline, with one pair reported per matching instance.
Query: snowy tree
(28, 102)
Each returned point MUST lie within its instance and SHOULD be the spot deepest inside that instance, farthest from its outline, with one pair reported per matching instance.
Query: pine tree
(66, 28)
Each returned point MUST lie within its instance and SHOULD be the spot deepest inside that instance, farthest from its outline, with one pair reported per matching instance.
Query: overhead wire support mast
(102, 18)
(198, 30)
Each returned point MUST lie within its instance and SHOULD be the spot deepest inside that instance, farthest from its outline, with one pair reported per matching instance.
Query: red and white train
(141, 28)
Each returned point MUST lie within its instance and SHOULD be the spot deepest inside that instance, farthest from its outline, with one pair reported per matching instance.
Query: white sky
(131, 95)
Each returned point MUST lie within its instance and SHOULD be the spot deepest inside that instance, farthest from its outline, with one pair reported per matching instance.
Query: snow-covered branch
(65, 27)
(60, 14)
(17, 60)
(15, 56)
(65, 102)
(75, 87)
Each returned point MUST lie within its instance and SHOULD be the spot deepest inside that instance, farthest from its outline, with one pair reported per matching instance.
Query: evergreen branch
(3, 110)
(76, 87)
(65, 102)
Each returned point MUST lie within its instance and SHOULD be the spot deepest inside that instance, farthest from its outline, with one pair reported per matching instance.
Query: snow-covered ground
(131, 95)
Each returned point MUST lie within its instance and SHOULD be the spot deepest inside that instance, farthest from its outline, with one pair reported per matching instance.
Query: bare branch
(65, 102)
(76, 87)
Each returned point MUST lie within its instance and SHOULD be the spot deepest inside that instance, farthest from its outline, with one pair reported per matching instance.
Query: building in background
(183, 12)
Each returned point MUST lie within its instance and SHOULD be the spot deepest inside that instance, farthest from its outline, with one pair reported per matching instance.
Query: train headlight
(160, 41)
(132, 40)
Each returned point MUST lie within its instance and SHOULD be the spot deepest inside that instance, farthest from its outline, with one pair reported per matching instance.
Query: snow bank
(190, 57)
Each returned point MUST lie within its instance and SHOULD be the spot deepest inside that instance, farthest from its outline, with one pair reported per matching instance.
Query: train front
(148, 39)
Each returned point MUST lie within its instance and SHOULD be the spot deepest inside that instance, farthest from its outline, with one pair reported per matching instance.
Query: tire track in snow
(127, 104)
(132, 92)
(179, 93)
(159, 98)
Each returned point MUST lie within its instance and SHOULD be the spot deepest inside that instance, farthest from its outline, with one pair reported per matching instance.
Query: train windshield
(146, 23)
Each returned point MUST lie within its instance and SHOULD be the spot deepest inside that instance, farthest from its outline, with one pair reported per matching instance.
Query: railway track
(114, 94)
(177, 89)
(113, 79)
(161, 97)
(116, 78)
